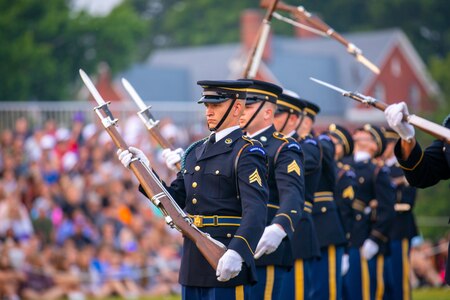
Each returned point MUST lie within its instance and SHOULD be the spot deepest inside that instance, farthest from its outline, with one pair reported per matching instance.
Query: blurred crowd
(73, 223)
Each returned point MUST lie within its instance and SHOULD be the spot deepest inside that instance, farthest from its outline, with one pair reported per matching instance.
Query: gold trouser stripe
(299, 280)
(270, 278)
(406, 267)
(332, 272)
(365, 278)
(239, 292)
(380, 280)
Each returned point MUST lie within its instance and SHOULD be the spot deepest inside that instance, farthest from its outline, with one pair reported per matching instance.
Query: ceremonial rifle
(436, 130)
(251, 67)
(174, 216)
(303, 15)
(146, 116)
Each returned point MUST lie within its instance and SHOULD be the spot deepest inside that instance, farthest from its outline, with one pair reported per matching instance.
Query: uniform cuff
(242, 246)
(378, 237)
(414, 158)
(285, 221)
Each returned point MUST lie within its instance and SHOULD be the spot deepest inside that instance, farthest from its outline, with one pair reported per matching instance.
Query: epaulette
(189, 149)
(280, 136)
(249, 140)
(310, 141)
(325, 137)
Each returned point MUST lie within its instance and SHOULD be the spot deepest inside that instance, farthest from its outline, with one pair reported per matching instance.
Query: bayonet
(147, 118)
(425, 125)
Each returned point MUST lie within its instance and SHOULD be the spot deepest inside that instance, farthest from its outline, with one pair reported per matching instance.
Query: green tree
(44, 44)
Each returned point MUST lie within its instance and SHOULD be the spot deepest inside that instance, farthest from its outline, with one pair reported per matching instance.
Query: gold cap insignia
(228, 141)
(348, 193)
(255, 177)
(293, 167)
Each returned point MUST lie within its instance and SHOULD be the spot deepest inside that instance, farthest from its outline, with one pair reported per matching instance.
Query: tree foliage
(44, 44)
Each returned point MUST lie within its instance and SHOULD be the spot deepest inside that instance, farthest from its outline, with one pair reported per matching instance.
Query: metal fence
(64, 112)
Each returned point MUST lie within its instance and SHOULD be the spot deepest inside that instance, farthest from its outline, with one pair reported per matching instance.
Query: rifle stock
(251, 67)
(210, 248)
(300, 13)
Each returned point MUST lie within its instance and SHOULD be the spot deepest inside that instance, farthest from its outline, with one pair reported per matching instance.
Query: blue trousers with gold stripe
(377, 268)
(326, 274)
(269, 285)
(239, 292)
(398, 261)
(297, 284)
(357, 280)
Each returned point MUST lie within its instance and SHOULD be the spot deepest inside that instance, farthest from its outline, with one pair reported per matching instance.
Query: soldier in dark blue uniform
(346, 183)
(422, 168)
(289, 118)
(344, 194)
(286, 190)
(374, 201)
(223, 187)
(327, 278)
(404, 227)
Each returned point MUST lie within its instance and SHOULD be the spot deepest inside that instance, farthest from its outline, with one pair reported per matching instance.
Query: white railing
(64, 112)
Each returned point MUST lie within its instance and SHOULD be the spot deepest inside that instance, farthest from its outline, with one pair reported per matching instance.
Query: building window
(379, 92)
(414, 97)
(396, 67)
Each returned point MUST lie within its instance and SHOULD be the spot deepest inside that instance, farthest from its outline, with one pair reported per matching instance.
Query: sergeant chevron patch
(293, 167)
(255, 177)
(348, 193)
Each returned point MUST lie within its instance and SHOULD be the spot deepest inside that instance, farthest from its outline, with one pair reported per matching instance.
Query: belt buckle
(198, 221)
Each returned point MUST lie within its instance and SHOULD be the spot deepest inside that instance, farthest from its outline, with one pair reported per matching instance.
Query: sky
(95, 7)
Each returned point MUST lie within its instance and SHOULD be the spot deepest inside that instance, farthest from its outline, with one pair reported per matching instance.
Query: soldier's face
(280, 120)
(258, 122)
(364, 142)
(215, 111)
(338, 148)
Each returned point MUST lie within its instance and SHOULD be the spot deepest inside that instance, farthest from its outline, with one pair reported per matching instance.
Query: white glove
(126, 156)
(369, 249)
(172, 157)
(345, 264)
(394, 114)
(270, 240)
(230, 264)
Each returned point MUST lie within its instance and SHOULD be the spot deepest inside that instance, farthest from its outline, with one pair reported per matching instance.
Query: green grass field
(418, 294)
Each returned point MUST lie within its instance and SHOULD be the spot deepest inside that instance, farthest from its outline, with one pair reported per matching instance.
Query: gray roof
(171, 74)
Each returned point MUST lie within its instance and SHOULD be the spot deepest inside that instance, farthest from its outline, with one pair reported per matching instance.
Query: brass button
(194, 184)
(358, 217)
(197, 168)
(323, 209)
(361, 179)
(228, 235)
(217, 172)
(194, 201)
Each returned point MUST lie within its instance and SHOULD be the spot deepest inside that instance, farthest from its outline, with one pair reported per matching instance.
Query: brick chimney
(105, 86)
(250, 23)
